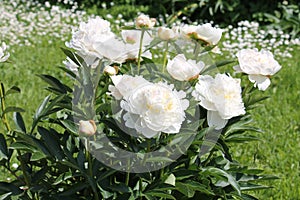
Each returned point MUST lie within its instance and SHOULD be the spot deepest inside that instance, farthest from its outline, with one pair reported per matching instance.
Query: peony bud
(182, 69)
(167, 33)
(143, 21)
(111, 70)
(87, 128)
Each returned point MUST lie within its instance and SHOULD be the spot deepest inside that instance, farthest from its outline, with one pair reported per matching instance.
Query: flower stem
(196, 50)
(4, 118)
(165, 56)
(140, 51)
(90, 170)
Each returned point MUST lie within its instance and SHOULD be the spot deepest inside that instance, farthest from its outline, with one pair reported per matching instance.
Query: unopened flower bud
(87, 128)
(143, 21)
(111, 70)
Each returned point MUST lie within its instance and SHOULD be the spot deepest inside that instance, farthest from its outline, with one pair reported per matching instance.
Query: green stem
(140, 51)
(127, 178)
(90, 166)
(165, 56)
(140, 188)
(4, 118)
(196, 50)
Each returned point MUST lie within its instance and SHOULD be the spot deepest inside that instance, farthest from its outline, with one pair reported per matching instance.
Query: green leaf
(5, 195)
(3, 148)
(71, 126)
(248, 197)
(63, 177)
(23, 146)
(250, 186)
(185, 189)
(75, 58)
(170, 180)
(69, 72)
(74, 189)
(159, 194)
(12, 90)
(18, 119)
(217, 65)
(37, 156)
(9, 187)
(41, 108)
(159, 159)
(45, 110)
(216, 172)
(198, 187)
(12, 109)
(52, 142)
(55, 83)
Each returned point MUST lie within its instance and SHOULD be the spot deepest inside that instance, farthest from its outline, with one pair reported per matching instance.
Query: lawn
(279, 117)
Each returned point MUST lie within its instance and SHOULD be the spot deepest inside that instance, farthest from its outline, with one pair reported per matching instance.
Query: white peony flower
(124, 85)
(113, 50)
(3, 57)
(222, 98)
(118, 51)
(144, 21)
(154, 108)
(205, 32)
(167, 33)
(96, 30)
(260, 65)
(87, 128)
(184, 70)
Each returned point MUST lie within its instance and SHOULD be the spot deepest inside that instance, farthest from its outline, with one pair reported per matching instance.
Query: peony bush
(135, 126)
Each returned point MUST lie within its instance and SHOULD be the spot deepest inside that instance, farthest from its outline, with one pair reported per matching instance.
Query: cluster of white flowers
(22, 21)
(151, 108)
(250, 35)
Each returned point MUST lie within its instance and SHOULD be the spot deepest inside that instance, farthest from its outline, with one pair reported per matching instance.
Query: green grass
(279, 117)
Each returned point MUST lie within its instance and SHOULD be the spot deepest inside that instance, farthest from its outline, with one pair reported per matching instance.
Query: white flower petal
(215, 120)
(261, 82)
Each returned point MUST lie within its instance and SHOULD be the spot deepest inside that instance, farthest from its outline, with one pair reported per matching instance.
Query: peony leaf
(73, 56)
(221, 174)
(52, 142)
(185, 189)
(159, 194)
(18, 119)
(217, 65)
(55, 83)
(12, 90)
(12, 109)
(3, 148)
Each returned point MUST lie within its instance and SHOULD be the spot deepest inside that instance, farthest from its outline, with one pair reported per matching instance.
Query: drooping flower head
(205, 33)
(222, 98)
(260, 65)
